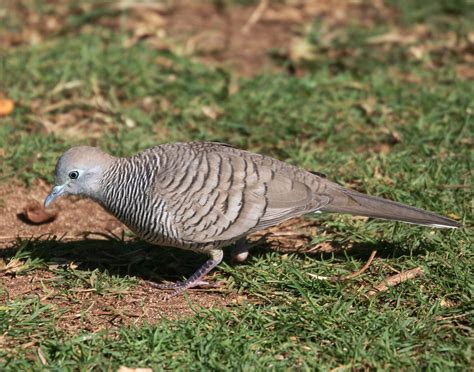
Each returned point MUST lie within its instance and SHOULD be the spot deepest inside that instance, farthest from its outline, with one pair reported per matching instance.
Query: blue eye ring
(73, 175)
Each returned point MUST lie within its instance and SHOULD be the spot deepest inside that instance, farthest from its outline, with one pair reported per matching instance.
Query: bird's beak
(55, 192)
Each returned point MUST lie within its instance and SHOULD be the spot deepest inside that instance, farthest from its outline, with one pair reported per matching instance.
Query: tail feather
(352, 202)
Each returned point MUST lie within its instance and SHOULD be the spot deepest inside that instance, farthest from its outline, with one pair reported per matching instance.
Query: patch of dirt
(77, 218)
(244, 37)
(237, 36)
(74, 117)
(86, 309)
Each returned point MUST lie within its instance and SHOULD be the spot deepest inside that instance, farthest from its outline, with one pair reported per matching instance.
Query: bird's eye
(73, 175)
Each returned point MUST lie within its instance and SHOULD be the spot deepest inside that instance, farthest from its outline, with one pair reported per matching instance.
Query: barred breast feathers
(126, 186)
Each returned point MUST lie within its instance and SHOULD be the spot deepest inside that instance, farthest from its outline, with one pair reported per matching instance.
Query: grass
(358, 119)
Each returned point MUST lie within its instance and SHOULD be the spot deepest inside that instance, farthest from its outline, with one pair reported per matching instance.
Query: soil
(80, 219)
(227, 35)
(242, 38)
(86, 309)
(77, 218)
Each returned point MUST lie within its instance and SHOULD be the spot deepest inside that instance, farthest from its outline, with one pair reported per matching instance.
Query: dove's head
(79, 171)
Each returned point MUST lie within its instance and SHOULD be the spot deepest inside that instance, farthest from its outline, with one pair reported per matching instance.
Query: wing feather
(228, 194)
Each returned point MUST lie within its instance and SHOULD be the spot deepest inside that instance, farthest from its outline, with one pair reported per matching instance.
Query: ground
(377, 95)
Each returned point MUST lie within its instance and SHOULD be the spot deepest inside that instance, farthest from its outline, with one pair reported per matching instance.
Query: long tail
(352, 202)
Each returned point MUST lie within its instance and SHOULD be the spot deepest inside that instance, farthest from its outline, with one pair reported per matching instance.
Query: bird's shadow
(142, 260)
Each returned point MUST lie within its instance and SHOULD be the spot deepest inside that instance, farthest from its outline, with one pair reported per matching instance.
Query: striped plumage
(190, 195)
(205, 196)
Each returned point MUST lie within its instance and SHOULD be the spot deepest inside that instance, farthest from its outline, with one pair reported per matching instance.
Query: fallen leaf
(42, 358)
(13, 266)
(405, 76)
(164, 62)
(287, 14)
(35, 213)
(130, 123)
(239, 300)
(470, 37)
(128, 369)
(381, 148)
(447, 303)
(418, 52)
(465, 71)
(211, 112)
(6, 106)
(368, 105)
(302, 50)
(392, 38)
(206, 43)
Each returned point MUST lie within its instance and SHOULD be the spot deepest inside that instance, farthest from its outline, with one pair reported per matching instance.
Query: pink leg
(195, 279)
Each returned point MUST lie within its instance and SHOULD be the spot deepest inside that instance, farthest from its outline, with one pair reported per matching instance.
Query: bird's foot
(240, 252)
(195, 279)
(175, 285)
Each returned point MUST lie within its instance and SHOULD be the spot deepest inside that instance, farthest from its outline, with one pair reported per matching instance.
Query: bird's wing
(224, 195)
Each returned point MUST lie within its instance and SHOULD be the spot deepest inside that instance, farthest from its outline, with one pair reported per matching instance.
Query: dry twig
(41, 356)
(255, 16)
(394, 280)
(350, 276)
(363, 269)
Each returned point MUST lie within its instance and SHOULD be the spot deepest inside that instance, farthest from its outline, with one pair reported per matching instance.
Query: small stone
(35, 213)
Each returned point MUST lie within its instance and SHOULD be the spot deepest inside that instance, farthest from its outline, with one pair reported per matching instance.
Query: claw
(177, 285)
(164, 285)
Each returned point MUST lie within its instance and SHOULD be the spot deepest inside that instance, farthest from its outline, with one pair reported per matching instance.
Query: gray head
(79, 171)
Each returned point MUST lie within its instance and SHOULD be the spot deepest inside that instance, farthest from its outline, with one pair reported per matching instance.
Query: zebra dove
(205, 196)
